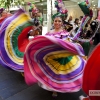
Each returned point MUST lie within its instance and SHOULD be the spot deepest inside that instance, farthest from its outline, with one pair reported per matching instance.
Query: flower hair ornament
(60, 7)
(61, 10)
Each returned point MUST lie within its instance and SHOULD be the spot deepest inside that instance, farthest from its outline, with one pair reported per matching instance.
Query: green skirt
(86, 47)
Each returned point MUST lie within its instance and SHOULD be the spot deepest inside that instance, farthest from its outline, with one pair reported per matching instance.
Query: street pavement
(13, 87)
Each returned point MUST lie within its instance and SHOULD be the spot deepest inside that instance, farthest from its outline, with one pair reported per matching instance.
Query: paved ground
(13, 87)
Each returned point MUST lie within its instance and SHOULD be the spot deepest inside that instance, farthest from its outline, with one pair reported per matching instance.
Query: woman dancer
(10, 30)
(54, 62)
(58, 31)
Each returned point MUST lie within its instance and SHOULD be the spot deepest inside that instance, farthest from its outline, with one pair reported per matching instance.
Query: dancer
(91, 80)
(80, 35)
(11, 29)
(35, 14)
(34, 30)
(61, 10)
(58, 31)
(53, 62)
(14, 39)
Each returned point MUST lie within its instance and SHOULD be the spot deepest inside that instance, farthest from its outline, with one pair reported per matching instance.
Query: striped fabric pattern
(77, 35)
(1, 20)
(11, 28)
(55, 63)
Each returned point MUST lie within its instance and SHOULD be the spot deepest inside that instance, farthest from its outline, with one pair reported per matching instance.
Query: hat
(85, 7)
(57, 14)
(60, 7)
(61, 10)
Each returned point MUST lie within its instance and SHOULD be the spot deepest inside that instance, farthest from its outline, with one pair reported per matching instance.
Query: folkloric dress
(54, 62)
(14, 28)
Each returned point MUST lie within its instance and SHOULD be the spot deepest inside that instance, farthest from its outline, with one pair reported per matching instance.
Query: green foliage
(40, 0)
(11, 3)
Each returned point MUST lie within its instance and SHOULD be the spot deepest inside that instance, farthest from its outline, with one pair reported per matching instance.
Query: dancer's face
(57, 23)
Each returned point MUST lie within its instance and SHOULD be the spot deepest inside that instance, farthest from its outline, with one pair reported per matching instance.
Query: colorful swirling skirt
(56, 64)
(1, 20)
(10, 30)
(91, 76)
(4, 18)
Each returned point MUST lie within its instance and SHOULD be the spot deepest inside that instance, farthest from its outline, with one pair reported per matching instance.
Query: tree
(11, 3)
